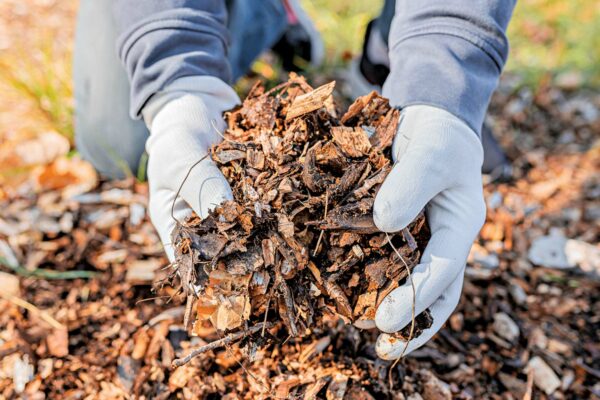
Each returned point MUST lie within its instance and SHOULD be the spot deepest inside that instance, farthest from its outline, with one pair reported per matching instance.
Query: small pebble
(584, 255)
(549, 251)
(518, 294)
(543, 376)
(505, 327)
(538, 339)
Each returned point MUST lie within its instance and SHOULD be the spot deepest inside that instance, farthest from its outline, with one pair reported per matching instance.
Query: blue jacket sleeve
(448, 54)
(160, 41)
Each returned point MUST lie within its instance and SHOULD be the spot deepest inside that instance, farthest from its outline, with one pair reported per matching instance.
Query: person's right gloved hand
(184, 122)
(437, 167)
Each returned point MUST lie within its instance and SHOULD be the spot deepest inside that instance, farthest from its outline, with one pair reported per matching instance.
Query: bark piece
(386, 130)
(310, 102)
(353, 142)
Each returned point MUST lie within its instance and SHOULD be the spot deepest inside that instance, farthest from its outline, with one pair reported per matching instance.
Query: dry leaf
(72, 176)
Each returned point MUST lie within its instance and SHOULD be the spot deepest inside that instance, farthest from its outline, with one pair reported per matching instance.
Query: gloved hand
(183, 121)
(438, 167)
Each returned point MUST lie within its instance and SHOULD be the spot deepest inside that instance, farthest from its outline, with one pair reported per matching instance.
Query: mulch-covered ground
(79, 319)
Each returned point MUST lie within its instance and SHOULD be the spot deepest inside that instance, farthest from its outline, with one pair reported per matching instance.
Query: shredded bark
(304, 183)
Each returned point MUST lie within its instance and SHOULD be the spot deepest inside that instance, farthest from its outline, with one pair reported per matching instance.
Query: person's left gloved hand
(438, 167)
(185, 120)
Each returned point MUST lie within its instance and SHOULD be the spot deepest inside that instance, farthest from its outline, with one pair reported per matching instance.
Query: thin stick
(322, 231)
(250, 374)
(247, 371)
(280, 86)
(262, 333)
(151, 298)
(414, 300)
(214, 125)
(33, 309)
(226, 340)
(188, 310)
(181, 186)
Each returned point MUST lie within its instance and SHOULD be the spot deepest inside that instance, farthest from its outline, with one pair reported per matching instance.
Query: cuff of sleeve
(214, 92)
(446, 71)
(172, 45)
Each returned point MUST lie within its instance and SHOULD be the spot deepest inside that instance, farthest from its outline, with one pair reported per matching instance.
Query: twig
(529, 388)
(238, 362)
(181, 186)
(33, 309)
(414, 300)
(262, 333)
(188, 310)
(151, 299)
(214, 125)
(226, 340)
(280, 86)
(322, 231)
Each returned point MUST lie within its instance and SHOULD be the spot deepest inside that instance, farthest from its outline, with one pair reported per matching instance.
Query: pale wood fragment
(310, 101)
(353, 142)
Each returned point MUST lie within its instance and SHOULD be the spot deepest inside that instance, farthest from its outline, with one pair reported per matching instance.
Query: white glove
(183, 121)
(438, 164)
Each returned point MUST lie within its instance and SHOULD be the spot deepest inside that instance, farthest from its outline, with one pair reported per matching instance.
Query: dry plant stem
(264, 328)
(188, 310)
(33, 309)
(324, 218)
(250, 374)
(233, 337)
(414, 300)
(181, 186)
(529, 388)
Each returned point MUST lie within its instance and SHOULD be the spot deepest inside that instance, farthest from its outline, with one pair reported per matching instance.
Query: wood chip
(353, 142)
(310, 101)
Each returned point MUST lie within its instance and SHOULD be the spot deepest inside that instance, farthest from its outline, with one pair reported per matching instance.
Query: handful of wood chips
(298, 244)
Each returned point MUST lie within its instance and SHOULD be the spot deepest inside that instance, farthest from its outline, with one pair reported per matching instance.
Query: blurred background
(553, 42)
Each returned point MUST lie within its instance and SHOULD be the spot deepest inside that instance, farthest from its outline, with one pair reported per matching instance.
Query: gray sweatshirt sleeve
(448, 54)
(160, 41)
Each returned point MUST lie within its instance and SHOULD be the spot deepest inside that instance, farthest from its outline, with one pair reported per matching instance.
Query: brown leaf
(72, 176)
(285, 226)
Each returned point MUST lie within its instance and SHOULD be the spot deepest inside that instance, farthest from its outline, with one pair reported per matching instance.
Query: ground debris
(543, 376)
(122, 337)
